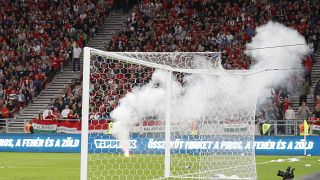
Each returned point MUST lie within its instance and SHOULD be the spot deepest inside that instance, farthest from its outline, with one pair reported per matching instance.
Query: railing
(278, 127)
(288, 127)
(4, 125)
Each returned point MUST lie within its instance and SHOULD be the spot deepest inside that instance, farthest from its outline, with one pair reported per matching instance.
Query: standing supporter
(37, 86)
(76, 57)
(289, 115)
(304, 91)
(12, 108)
(303, 111)
(308, 63)
(316, 91)
(22, 100)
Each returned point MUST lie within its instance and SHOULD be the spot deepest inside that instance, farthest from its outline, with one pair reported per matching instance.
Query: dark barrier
(264, 145)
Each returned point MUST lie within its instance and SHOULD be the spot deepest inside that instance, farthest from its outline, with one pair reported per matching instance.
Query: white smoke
(276, 47)
(209, 95)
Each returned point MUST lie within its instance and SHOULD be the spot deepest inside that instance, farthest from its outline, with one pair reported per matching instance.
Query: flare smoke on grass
(213, 96)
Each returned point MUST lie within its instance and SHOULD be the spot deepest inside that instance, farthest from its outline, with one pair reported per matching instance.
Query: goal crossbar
(130, 58)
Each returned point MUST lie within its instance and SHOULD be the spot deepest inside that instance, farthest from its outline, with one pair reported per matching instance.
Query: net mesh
(212, 126)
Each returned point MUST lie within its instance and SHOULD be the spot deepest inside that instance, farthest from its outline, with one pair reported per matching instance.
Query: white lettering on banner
(57, 144)
(281, 145)
(300, 144)
(40, 142)
(32, 142)
(49, 142)
(153, 129)
(112, 144)
(177, 144)
(229, 145)
(69, 142)
(158, 128)
(6, 143)
(290, 145)
(47, 127)
(198, 144)
(265, 144)
(18, 143)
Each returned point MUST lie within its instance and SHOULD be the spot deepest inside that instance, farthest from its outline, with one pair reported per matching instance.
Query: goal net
(161, 115)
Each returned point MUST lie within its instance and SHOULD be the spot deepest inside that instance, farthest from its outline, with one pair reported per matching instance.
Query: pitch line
(35, 167)
(24, 158)
(266, 162)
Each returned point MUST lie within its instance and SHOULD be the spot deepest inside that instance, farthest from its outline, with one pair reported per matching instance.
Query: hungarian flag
(69, 127)
(53, 126)
(44, 126)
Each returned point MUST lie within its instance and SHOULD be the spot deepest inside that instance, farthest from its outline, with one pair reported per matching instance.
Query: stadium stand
(207, 26)
(180, 25)
(37, 39)
(219, 26)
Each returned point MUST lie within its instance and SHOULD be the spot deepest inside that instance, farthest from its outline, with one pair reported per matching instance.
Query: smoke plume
(214, 96)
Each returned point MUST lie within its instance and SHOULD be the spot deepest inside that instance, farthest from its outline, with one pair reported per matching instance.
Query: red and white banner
(44, 126)
(68, 127)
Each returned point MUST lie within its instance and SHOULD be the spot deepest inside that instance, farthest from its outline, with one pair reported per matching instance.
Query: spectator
(37, 86)
(52, 103)
(308, 63)
(76, 56)
(73, 115)
(29, 127)
(316, 111)
(22, 100)
(60, 104)
(289, 116)
(50, 116)
(316, 91)
(11, 108)
(105, 115)
(304, 91)
(56, 113)
(46, 112)
(65, 112)
(303, 111)
(261, 120)
(5, 112)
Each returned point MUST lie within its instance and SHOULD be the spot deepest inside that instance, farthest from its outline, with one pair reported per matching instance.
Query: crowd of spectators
(36, 39)
(203, 25)
(67, 105)
(224, 26)
(220, 26)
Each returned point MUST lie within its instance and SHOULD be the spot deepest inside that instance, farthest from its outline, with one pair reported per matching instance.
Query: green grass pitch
(66, 166)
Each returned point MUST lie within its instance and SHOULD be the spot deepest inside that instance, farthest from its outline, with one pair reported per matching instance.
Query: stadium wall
(71, 143)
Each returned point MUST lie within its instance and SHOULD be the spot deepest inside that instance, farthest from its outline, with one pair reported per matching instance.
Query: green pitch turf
(64, 166)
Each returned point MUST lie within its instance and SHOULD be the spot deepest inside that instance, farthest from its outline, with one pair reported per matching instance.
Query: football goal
(165, 115)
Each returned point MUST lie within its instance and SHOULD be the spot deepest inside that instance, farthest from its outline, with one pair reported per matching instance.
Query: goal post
(85, 114)
(165, 115)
